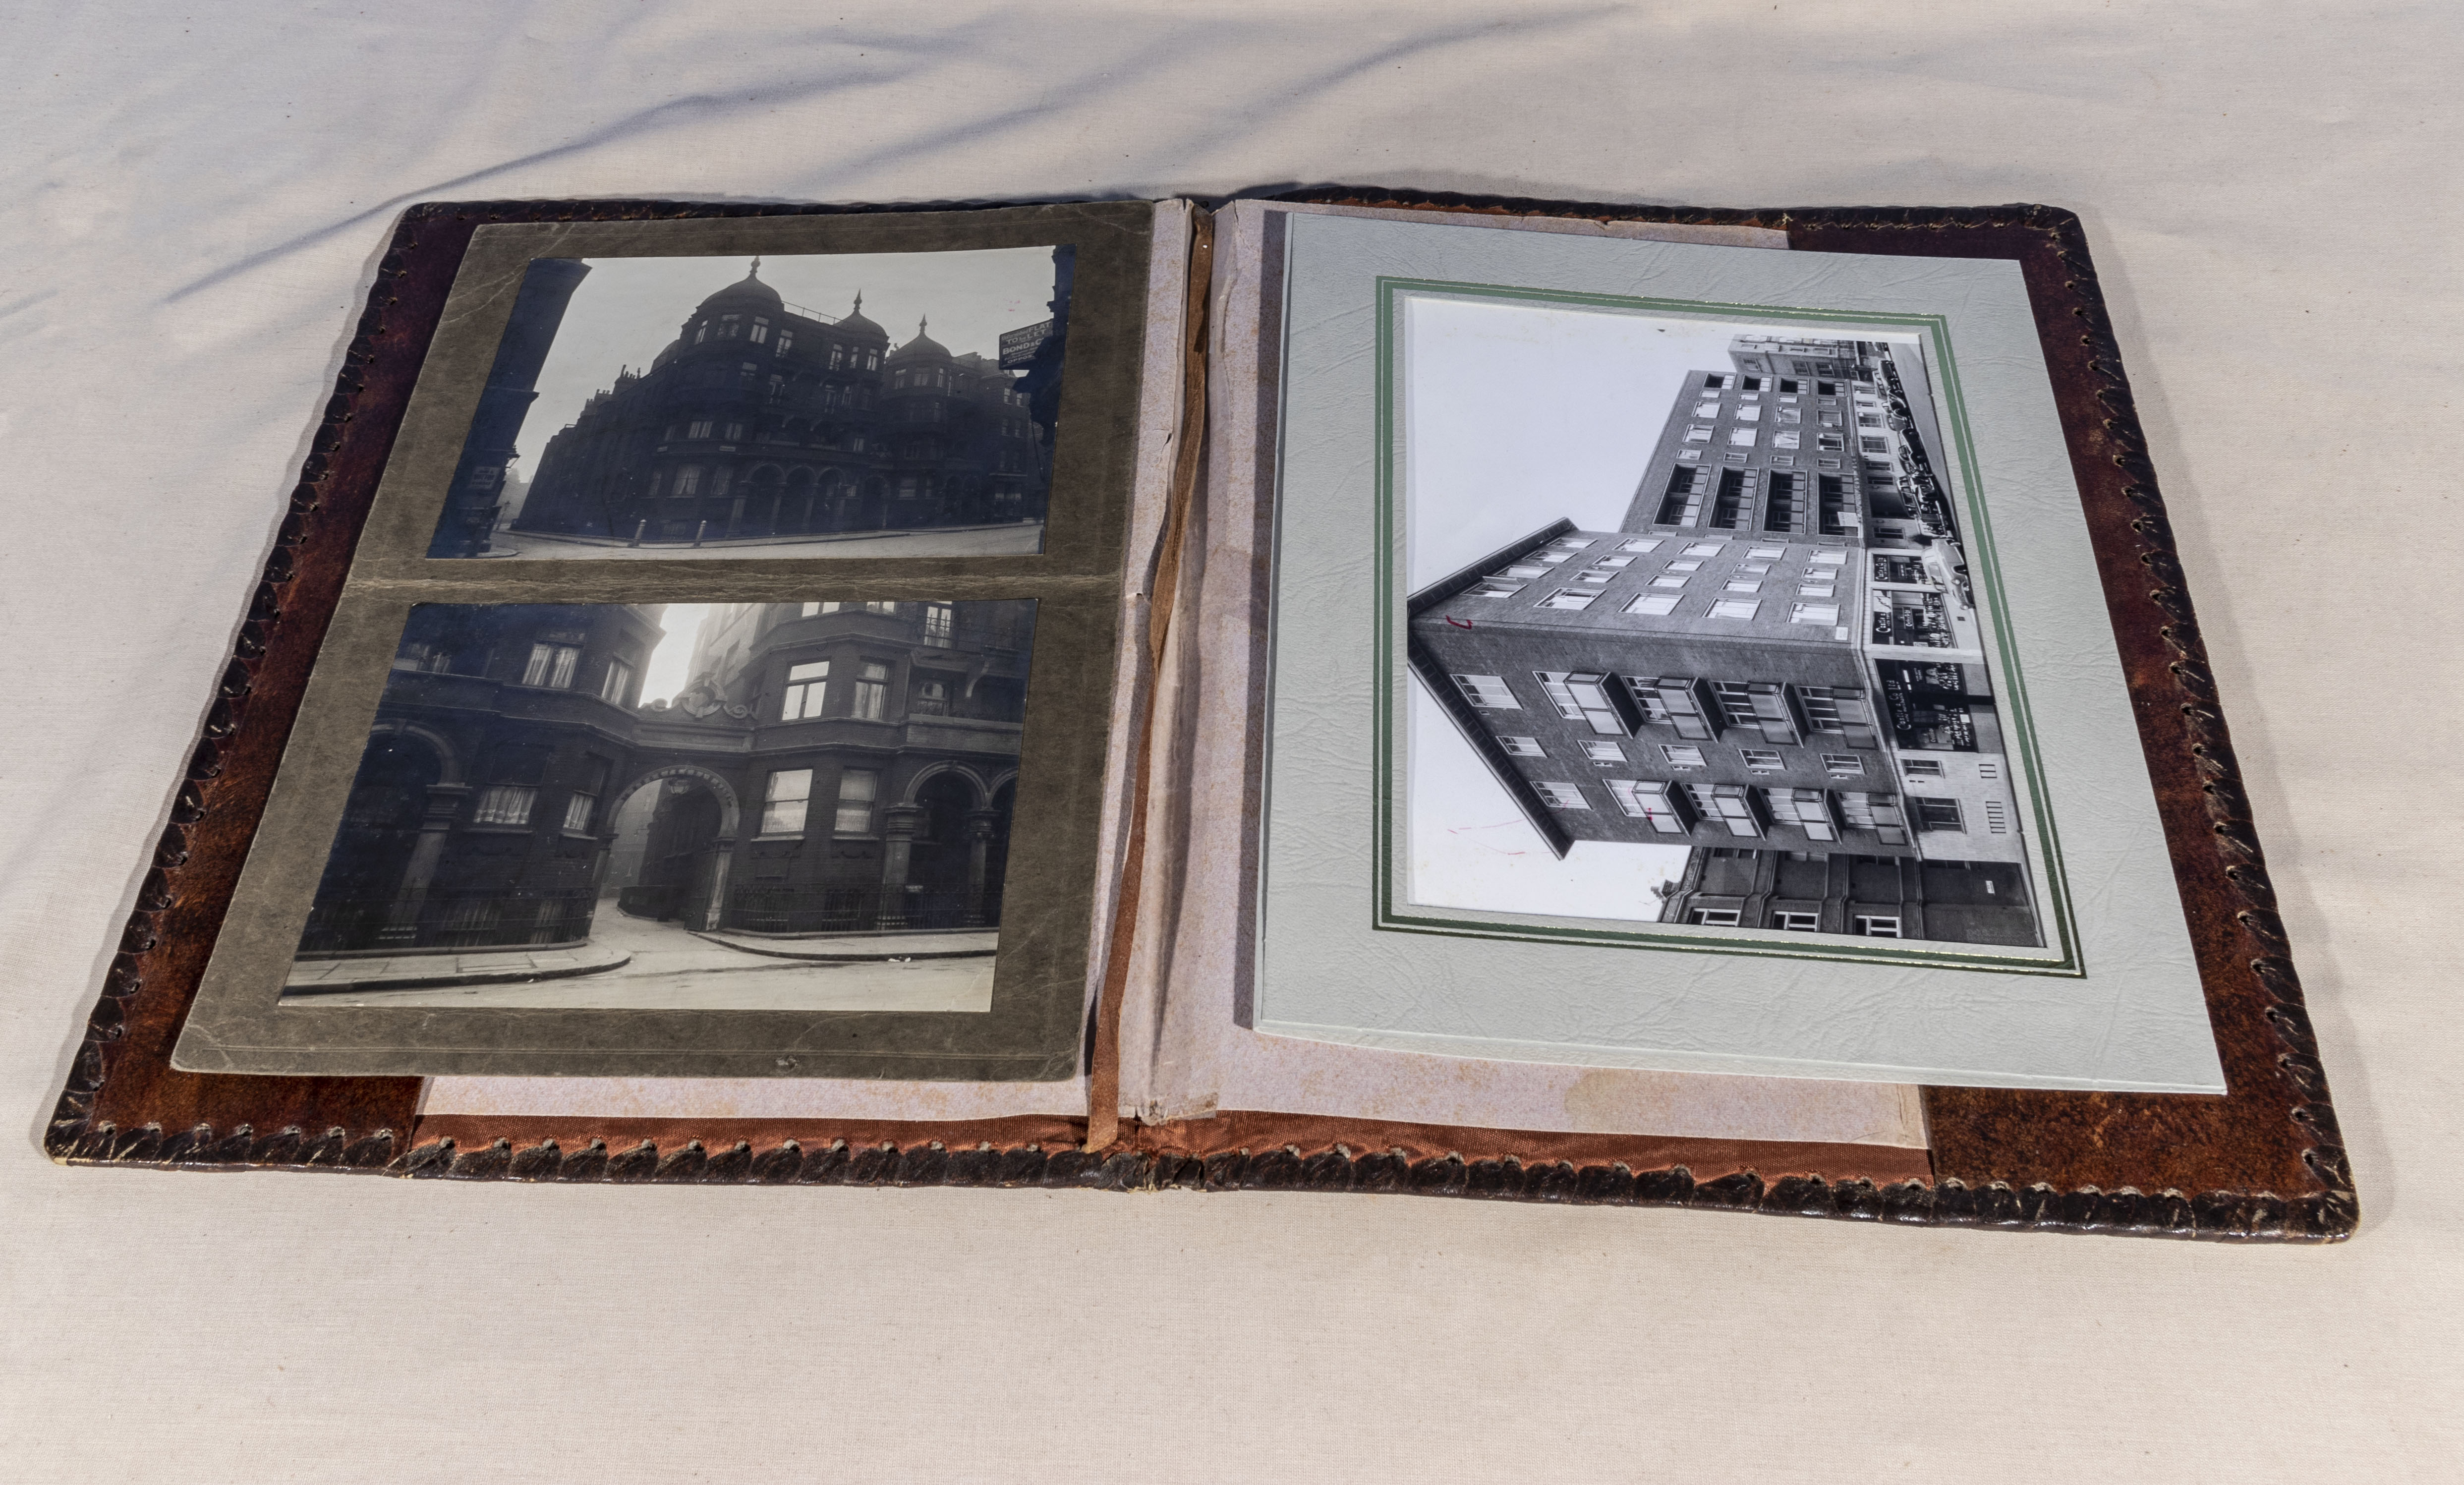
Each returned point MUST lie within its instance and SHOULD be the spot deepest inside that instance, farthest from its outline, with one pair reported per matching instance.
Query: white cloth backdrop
(194, 201)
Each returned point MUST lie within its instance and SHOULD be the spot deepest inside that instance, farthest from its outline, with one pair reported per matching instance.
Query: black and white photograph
(725, 806)
(1698, 642)
(804, 405)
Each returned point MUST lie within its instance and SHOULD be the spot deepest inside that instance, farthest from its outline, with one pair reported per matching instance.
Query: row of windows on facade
(551, 666)
(1720, 381)
(786, 797)
(1861, 925)
(1750, 811)
(1819, 581)
(1732, 501)
(757, 330)
(689, 483)
(1690, 757)
(1697, 709)
(733, 430)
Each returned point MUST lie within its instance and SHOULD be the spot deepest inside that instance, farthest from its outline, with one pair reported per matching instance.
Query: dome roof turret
(748, 293)
(856, 324)
(922, 348)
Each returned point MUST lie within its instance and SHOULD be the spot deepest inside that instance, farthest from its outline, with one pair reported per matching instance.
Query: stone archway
(714, 851)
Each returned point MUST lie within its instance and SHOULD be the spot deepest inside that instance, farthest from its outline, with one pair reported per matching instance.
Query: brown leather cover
(2264, 1161)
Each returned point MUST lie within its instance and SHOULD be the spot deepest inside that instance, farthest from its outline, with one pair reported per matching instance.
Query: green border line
(1394, 682)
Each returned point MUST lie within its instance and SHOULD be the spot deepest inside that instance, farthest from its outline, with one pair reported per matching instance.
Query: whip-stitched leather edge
(75, 1136)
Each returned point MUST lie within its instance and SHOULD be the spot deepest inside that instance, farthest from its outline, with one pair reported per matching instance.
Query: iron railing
(857, 909)
(447, 920)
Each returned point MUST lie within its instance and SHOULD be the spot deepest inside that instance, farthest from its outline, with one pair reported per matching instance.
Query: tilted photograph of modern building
(1775, 663)
(752, 806)
(663, 407)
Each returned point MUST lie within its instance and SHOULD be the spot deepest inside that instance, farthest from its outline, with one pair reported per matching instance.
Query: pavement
(859, 948)
(1009, 538)
(646, 966)
(478, 967)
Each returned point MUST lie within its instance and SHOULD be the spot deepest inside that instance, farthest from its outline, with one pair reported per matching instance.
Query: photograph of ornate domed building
(659, 407)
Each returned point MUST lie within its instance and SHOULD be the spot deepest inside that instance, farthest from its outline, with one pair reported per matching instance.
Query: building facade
(763, 419)
(1779, 651)
(831, 768)
(1863, 896)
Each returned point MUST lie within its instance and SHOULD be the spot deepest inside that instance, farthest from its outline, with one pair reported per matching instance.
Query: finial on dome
(859, 301)
(756, 271)
(920, 322)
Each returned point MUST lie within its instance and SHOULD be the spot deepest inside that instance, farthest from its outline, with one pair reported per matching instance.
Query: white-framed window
(784, 799)
(1562, 796)
(1873, 445)
(1735, 608)
(810, 610)
(1595, 574)
(1786, 438)
(1682, 754)
(1843, 765)
(698, 427)
(872, 685)
(617, 684)
(1671, 580)
(1767, 554)
(1697, 433)
(1816, 587)
(857, 787)
(1489, 692)
(1582, 696)
(504, 804)
(1647, 801)
(940, 623)
(1494, 588)
(1655, 604)
(1877, 927)
(1527, 571)
(1640, 544)
(1728, 805)
(1806, 809)
(1689, 454)
(1921, 768)
(1613, 562)
(1760, 760)
(1749, 413)
(1686, 566)
(1603, 752)
(1743, 438)
(760, 335)
(736, 430)
(1830, 557)
(882, 607)
(581, 808)
(1704, 549)
(1520, 747)
(1936, 814)
(1568, 598)
(552, 666)
(808, 685)
(1813, 613)
(1709, 409)
(1744, 585)
(1796, 922)
(1716, 917)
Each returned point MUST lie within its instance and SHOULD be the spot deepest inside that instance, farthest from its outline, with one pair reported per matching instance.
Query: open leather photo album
(1351, 692)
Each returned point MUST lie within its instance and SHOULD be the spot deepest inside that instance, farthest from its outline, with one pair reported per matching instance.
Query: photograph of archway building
(683, 407)
(724, 806)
